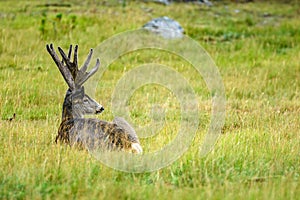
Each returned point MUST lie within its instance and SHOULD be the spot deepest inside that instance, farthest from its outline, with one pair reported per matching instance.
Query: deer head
(76, 103)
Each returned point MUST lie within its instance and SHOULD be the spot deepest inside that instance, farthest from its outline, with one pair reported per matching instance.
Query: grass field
(257, 49)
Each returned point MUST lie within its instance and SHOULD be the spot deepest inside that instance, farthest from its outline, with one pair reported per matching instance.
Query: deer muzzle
(99, 110)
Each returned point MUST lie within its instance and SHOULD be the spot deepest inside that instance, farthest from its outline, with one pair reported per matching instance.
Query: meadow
(256, 47)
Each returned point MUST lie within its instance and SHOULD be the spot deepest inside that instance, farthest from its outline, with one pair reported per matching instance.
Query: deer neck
(69, 111)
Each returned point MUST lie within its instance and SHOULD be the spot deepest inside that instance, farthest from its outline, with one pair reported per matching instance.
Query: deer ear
(82, 91)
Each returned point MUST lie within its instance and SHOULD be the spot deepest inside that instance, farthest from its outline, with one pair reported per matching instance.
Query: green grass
(256, 47)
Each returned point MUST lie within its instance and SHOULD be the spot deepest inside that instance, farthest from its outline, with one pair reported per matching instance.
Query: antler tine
(64, 71)
(71, 66)
(75, 56)
(64, 57)
(87, 75)
(87, 62)
(70, 52)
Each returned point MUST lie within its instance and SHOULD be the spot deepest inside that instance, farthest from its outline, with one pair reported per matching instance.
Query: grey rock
(206, 2)
(165, 2)
(165, 27)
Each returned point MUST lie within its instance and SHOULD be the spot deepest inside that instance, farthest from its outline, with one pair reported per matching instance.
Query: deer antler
(63, 70)
(84, 76)
(72, 66)
(80, 76)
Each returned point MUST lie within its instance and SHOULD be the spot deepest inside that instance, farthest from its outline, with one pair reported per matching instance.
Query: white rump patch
(136, 148)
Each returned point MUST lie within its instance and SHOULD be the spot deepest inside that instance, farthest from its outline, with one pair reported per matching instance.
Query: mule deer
(90, 133)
